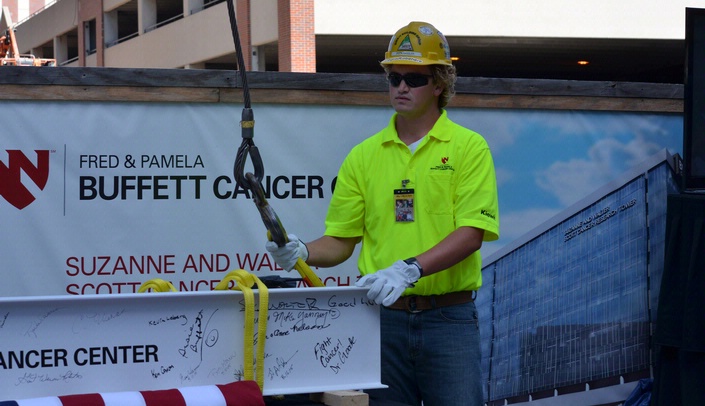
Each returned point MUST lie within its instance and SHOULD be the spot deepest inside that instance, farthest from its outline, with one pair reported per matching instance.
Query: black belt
(414, 304)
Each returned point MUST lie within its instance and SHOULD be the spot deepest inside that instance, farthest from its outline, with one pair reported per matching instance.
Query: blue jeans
(431, 356)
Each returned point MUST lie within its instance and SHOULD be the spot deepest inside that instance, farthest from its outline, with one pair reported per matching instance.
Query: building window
(90, 37)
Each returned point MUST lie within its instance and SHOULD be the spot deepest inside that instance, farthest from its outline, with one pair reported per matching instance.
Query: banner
(99, 197)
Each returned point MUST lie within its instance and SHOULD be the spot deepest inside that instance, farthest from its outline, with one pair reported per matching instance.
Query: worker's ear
(437, 90)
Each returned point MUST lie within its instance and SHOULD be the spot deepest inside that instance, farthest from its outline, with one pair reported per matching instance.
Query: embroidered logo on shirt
(444, 166)
(488, 214)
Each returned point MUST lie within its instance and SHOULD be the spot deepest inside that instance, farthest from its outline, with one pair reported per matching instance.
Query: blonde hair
(445, 76)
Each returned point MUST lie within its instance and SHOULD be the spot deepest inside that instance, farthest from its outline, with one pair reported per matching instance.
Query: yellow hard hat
(418, 43)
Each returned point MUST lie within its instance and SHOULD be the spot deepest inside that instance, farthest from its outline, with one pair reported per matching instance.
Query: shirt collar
(438, 131)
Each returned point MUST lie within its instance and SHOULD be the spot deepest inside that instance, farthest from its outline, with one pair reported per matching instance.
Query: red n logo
(11, 187)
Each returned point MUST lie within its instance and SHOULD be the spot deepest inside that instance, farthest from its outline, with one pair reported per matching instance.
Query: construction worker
(421, 196)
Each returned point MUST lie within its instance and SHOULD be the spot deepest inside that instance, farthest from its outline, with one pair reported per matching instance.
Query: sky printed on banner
(549, 160)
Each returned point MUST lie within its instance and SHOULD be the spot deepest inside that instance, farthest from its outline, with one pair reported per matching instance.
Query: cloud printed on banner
(622, 144)
(503, 175)
(571, 180)
(548, 160)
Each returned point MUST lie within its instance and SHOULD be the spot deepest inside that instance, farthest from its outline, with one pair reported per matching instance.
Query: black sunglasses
(411, 79)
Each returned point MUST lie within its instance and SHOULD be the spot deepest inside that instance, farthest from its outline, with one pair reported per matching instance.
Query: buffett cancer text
(164, 187)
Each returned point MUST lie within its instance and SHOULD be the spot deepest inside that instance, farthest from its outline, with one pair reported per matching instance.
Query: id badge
(404, 205)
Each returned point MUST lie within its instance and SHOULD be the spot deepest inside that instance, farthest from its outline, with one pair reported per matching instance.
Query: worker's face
(408, 100)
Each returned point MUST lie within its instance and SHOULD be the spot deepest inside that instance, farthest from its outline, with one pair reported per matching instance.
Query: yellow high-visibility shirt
(453, 180)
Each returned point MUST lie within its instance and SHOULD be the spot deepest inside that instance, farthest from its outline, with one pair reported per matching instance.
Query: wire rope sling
(252, 182)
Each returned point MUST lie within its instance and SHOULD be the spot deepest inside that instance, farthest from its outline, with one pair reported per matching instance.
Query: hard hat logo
(426, 30)
(406, 45)
(418, 44)
(444, 45)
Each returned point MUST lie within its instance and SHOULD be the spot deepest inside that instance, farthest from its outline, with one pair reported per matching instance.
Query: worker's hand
(387, 285)
(287, 255)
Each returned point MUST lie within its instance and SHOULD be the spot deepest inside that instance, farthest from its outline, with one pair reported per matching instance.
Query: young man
(421, 196)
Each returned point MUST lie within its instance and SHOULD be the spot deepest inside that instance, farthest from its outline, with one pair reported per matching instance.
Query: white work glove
(387, 285)
(287, 255)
